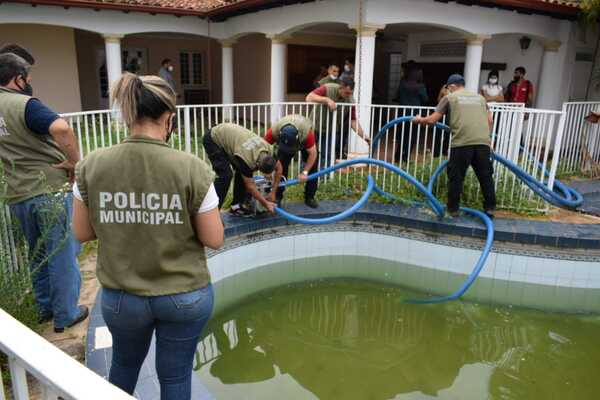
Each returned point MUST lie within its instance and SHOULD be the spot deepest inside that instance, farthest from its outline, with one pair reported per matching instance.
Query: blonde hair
(142, 97)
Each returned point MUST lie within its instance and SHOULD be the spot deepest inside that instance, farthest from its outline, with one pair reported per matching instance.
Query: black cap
(288, 139)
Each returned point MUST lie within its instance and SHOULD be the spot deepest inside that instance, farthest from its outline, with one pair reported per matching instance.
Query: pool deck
(591, 195)
(540, 234)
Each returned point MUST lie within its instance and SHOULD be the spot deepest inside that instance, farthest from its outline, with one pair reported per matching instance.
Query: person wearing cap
(330, 95)
(470, 122)
(230, 145)
(291, 134)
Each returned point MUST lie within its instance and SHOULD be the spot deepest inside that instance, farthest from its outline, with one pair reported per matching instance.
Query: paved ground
(591, 195)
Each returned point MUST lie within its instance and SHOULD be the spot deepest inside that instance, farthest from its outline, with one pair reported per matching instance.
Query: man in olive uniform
(333, 75)
(293, 133)
(470, 123)
(39, 152)
(330, 95)
(229, 145)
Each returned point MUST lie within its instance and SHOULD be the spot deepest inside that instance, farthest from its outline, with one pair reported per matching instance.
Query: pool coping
(546, 237)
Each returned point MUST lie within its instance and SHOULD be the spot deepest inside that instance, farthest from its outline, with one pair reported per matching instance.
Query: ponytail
(142, 97)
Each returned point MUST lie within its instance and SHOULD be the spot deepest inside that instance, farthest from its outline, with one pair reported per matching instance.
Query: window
(197, 68)
(395, 74)
(192, 68)
(184, 61)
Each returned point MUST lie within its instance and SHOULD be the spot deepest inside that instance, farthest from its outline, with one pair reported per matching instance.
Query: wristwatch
(305, 173)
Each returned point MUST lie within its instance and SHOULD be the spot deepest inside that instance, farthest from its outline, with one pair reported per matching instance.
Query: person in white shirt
(492, 90)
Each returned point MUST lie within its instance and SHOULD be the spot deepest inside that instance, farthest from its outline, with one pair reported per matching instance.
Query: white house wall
(55, 74)
(158, 47)
(506, 49)
(462, 18)
(284, 20)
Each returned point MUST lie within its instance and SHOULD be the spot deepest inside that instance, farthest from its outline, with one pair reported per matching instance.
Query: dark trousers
(478, 157)
(222, 167)
(310, 187)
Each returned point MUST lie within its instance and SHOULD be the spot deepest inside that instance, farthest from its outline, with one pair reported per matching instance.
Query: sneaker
(312, 203)
(239, 211)
(83, 314)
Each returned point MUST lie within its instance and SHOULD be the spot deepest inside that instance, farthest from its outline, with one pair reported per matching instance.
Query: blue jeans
(178, 320)
(46, 224)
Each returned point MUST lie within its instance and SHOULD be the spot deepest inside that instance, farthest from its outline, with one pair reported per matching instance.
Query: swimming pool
(358, 339)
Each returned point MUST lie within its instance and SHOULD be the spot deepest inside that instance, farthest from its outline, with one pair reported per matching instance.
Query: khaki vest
(302, 124)
(27, 157)
(468, 119)
(142, 196)
(238, 141)
(322, 117)
(327, 80)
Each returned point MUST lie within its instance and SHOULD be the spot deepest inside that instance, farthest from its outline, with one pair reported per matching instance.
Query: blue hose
(334, 218)
(399, 121)
(568, 197)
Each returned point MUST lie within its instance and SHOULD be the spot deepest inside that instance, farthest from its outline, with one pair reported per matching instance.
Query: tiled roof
(197, 5)
(571, 3)
(221, 9)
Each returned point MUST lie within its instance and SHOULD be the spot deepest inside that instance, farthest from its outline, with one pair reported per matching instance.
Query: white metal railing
(581, 143)
(525, 136)
(58, 374)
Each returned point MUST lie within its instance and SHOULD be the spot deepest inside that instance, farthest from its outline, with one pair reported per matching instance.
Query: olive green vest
(27, 156)
(238, 141)
(327, 80)
(302, 124)
(142, 196)
(322, 117)
(468, 119)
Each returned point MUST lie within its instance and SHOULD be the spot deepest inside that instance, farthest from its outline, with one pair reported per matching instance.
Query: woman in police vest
(153, 210)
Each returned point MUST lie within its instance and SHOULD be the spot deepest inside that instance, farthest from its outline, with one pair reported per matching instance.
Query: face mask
(27, 89)
(517, 77)
(171, 126)
(170, 68)
(347, 68)
(334, 77)
(493, 81)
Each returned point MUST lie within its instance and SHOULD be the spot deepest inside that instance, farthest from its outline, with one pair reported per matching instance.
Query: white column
(112, 45)
(278, 72)
(227, 70)
(548, 91)
(473, 60)
(363, 76)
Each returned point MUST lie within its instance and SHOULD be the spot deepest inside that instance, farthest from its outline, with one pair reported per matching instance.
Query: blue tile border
(550, 235)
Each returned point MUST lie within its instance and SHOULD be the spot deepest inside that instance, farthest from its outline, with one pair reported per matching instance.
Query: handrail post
(19, 380)
(557, 148)
(333, 140)
(2, 394)
(187, 129)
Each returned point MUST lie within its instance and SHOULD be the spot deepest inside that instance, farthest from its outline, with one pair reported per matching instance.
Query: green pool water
(350, 339)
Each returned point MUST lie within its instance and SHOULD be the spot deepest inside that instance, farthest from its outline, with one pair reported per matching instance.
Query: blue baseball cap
(288, 139)
(456, 79)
